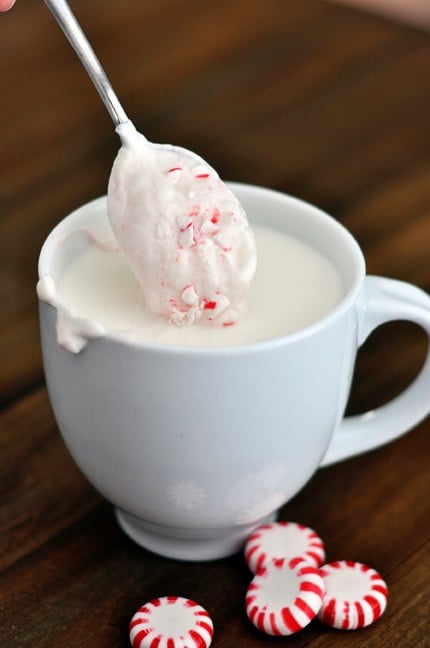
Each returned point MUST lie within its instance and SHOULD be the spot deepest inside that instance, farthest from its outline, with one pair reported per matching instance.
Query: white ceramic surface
(195, 448)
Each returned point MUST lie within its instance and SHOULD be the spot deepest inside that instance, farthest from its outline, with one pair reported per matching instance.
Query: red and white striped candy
(355, 595)
(171, 622)
(283, 540)
(284, 596)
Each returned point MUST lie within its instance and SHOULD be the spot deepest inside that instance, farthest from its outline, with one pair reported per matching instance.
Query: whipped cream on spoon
(182, 230)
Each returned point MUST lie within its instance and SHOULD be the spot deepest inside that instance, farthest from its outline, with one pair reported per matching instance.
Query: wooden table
(307, 97)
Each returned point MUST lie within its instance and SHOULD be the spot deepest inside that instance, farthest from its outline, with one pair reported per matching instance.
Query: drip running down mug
(197, 447)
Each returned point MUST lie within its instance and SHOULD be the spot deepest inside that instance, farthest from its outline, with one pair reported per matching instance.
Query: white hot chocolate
(294, 286)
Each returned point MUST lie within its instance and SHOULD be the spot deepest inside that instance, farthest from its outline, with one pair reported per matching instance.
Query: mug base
(188, 544)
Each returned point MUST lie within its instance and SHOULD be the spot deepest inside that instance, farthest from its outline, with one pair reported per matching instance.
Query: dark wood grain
(312, 98)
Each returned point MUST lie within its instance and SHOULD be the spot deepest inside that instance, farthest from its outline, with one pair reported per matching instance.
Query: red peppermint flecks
(215, 215)
(195, 210)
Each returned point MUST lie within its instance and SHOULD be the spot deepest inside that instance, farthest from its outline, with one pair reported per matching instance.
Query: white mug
(197, 447)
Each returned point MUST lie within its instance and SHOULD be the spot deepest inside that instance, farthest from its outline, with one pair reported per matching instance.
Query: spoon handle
(71, 28)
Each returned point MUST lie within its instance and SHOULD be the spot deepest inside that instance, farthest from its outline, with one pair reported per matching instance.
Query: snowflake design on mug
(186, 494)
(259, 494)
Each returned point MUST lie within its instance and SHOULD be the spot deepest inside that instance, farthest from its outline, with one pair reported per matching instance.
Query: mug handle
(383, 300)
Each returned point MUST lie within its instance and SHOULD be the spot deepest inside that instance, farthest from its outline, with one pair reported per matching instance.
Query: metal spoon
(71, 28)
(73, 32)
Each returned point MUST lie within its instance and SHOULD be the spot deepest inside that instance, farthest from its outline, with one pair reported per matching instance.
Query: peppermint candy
(171, 622)
(283, 540)
(289, 589)
(355, 595)
(284, 596)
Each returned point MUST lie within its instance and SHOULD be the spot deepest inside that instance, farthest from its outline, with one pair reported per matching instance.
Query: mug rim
(337, 311)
